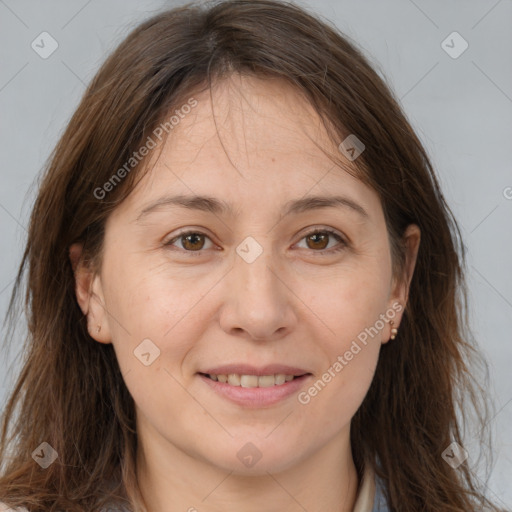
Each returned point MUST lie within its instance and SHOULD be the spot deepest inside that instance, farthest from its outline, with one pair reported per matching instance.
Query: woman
(242, 286)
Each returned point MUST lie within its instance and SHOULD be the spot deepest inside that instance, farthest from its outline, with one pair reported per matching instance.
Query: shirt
(370, 497)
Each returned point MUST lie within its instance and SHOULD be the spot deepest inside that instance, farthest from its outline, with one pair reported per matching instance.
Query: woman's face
(251, 285)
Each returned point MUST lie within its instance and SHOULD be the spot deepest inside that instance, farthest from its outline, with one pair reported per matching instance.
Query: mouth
(255, 388)
(252, 381)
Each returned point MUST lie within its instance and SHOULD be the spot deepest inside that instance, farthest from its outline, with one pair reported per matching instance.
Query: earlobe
(392, 332)
(90, 302)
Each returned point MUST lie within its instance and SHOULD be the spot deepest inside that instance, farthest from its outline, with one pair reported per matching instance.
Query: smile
(254, 391)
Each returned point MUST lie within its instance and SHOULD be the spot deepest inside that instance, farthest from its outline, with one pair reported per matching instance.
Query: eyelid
(311, 230)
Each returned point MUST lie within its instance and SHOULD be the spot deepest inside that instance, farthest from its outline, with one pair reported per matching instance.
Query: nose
(259, 303)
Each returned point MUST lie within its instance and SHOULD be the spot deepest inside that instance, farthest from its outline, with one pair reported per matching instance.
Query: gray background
(461, 109)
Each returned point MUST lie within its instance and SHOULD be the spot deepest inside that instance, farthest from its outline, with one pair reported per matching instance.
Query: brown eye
(191, 241)
(319, 240)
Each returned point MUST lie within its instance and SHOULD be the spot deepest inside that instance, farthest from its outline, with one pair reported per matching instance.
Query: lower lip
(256, 397)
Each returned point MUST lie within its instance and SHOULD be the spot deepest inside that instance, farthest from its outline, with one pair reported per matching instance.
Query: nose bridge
(254, 266)
(260, 304)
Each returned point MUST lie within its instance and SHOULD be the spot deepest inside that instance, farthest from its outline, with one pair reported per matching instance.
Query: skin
(296, 304)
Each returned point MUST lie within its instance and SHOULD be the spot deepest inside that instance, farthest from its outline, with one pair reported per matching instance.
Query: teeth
(253, 381)
(234, 379)
(249, 381)
(280, 378)
(265, 381)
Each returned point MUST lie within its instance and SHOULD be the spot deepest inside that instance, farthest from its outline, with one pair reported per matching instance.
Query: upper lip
(247, 369)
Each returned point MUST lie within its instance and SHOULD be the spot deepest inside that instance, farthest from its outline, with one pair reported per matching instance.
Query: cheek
(334, 397)
(348, 302)
(149, 313)
(160, 326)
(151, 299)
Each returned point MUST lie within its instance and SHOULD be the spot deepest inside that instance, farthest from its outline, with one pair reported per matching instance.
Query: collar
(366, 494)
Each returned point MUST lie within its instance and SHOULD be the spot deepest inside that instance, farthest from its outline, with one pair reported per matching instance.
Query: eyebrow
(218, 207)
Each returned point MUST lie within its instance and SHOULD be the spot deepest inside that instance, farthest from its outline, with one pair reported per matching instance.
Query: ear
(400, 288)
(89, 295)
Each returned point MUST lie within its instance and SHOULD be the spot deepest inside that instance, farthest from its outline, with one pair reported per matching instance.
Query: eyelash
(342, 243)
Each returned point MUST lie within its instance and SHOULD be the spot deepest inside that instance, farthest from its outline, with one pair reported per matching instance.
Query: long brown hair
(70, 392)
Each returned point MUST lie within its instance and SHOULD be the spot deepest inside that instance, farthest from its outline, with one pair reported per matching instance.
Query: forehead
(248, 140)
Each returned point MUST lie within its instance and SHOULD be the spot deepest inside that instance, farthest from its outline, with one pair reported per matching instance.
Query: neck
(173, 479)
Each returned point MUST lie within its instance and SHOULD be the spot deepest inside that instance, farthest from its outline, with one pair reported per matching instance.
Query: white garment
(4, 508)
(366, 494)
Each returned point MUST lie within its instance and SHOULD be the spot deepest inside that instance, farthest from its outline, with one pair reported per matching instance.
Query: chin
(256, 457)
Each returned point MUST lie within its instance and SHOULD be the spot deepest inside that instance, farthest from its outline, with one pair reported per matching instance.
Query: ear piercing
(394, 331)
